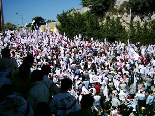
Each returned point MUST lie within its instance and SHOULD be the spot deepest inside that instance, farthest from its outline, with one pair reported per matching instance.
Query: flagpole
(1, 19)
(130, 14)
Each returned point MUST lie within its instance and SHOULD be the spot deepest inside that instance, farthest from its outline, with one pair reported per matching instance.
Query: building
(51, 26)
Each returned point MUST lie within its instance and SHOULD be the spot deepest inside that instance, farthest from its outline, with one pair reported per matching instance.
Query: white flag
(84, 90)
(33, 22)
(106, 93)
(94, 78)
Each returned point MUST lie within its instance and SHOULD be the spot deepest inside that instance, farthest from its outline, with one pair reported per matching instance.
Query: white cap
(134, 110)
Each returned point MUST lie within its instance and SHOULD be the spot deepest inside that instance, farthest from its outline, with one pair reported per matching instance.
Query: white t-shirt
(122, 96)
(97, 100)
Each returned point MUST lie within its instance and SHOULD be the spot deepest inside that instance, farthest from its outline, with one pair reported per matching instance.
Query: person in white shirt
(149, 102)
(39, 91)
(50, 84)
(115, 102)
(113, 111)
(97, 99)
(141, 99)
(122, 95)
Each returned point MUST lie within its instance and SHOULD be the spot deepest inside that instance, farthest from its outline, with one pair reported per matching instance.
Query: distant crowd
(43, 75)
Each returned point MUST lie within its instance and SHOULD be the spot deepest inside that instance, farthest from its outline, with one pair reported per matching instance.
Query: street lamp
(21, 16)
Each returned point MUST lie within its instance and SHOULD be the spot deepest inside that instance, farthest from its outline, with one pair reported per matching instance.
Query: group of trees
(142, 33)
(90, 25)
(38, 22)
(94, 24)
(141, 6)
(9, 26)
(99, 7)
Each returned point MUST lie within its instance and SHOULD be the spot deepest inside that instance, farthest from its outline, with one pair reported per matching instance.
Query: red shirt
(97, 87)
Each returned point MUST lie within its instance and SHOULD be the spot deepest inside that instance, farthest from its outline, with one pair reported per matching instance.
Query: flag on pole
(84, 90)
(128, 42)
(33, 22)
(105, 41)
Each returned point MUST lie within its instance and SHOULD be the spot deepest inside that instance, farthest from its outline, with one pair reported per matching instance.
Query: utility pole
(1, 17)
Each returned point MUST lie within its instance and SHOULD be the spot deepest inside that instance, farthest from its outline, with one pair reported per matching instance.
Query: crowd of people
(43, 74)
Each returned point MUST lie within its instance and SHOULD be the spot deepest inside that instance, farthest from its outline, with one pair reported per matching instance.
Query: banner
(94, 78)
(133, 54)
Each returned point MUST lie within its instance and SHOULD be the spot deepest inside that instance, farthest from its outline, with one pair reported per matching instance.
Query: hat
(134, 110)
(143, 108)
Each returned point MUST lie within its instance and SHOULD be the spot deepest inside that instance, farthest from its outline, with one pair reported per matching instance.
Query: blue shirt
(140, 96)
(149, 100)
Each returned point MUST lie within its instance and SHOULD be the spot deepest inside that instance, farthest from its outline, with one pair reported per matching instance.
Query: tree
(85, 3)
(99, 7)
(48, 21)
(141, 6)
(90, 25)
(112, 28)
(38, 22)
(29, 25)
(73, 24)
(9, 26)
(142, 33)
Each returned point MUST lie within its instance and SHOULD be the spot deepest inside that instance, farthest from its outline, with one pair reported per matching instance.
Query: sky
(47, 9)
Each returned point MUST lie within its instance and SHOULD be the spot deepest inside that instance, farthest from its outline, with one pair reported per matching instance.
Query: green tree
(99, 7)
(85, 3)
(142, 33)
(75, 23)
(53, 21)
(9, 26)
(112, 28)
(141, 6)
(90, 25)
(29, 25)
(152, 31)
(48, 21)
(38, 22)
